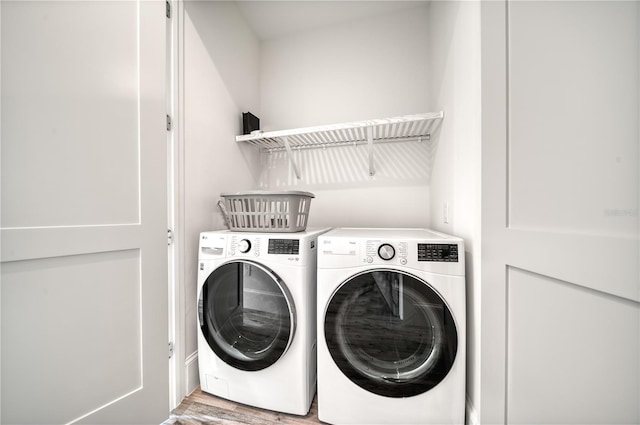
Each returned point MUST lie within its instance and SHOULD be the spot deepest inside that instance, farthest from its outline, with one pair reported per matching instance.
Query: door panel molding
(26, 244)
(577, 258)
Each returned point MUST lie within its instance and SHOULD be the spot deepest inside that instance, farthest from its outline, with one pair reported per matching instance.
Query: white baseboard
(192, 377)
(472, 414)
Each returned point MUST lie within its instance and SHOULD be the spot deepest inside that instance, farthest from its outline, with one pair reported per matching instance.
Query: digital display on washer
(284, 246)
(438, 252)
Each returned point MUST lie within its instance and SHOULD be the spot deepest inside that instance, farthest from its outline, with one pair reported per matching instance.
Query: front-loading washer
(391, 327)
(256, 312)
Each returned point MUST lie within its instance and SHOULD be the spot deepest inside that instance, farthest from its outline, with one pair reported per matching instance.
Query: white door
(560, 251)
(84, 212)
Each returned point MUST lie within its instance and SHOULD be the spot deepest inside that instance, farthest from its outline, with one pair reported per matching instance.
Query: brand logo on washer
(293, 259)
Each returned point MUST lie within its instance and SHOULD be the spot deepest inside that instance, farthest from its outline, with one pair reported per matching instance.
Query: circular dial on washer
(244, 246)
(386, 251)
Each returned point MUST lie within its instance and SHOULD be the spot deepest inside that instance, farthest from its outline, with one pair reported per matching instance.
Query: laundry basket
(266, 211)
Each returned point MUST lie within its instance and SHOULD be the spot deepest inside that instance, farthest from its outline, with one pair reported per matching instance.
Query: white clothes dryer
(256, 312)
(391, 327)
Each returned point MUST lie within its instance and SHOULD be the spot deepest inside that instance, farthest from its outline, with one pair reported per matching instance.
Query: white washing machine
(391, 327)
(256, 310)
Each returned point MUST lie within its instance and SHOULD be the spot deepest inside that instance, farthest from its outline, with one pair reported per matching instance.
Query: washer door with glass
(390, 333)
(247, 315)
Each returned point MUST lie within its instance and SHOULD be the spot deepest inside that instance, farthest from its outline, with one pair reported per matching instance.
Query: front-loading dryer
(256, 312)
(391, 327)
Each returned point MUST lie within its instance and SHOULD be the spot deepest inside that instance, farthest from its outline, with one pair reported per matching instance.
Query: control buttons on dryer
(244, 246)
(369, 260)
(386, 251)
(403, 261)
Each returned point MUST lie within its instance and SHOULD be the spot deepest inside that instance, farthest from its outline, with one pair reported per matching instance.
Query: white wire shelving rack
(405, 128)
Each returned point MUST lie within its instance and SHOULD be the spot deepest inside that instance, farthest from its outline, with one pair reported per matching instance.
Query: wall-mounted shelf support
(409, 127)
(370, 146)
(292, 160)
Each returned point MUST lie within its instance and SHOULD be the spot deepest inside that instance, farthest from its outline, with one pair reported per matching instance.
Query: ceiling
(272, 19)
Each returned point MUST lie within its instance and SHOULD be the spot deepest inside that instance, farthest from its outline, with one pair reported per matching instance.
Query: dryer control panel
(438, 252)
(421, 250)
(389, 252)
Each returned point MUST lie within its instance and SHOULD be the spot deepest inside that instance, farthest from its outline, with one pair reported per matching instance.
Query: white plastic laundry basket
(266, 211)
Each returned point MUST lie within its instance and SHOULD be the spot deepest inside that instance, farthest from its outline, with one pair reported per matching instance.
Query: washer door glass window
(390, 333)
(246, 315)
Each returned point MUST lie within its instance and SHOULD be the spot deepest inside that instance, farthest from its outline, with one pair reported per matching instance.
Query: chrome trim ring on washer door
(247, 315)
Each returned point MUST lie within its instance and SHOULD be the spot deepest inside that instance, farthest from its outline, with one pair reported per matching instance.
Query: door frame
(175, 110)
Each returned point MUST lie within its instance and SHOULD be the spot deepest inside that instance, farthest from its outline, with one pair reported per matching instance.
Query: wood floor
(202, 408)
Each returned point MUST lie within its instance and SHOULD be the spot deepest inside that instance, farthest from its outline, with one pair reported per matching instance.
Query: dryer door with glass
(390, 333)
(247, 315)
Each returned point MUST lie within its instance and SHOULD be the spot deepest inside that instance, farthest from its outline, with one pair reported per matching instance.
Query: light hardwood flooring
(202, 408)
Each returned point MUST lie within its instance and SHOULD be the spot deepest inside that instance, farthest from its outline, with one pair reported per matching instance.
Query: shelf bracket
(370, 147)
(291, 159)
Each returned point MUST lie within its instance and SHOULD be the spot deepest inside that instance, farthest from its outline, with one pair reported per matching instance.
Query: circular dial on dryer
(386, 251)
(244, 246)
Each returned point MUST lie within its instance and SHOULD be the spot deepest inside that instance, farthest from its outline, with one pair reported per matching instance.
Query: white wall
(371, 68)
(455, 87)
(220, 81)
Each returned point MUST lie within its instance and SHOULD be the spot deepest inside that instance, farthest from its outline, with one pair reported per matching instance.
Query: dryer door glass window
(390, 333)
(246, 315)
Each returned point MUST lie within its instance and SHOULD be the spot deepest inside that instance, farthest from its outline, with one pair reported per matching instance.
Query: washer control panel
(284, 246)
(278, 249)
(241, 245)
(244, 246)
(447, 253)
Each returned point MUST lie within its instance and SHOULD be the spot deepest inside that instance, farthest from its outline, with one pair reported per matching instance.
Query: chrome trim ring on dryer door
(390, 333)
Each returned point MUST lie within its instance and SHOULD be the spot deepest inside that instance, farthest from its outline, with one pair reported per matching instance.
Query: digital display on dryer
(447, 253)
(284, 246)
